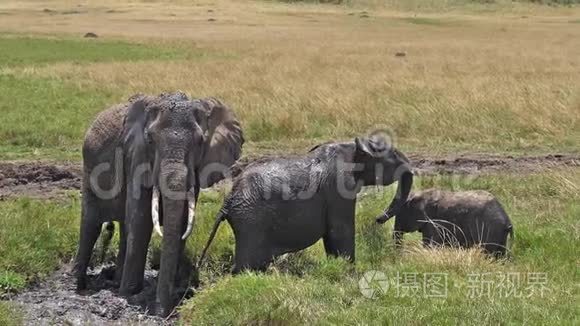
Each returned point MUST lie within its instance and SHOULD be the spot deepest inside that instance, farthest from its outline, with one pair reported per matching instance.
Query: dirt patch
(38, 179)
(467, 164)
(55, 302)
(48, 181)
(482, 164)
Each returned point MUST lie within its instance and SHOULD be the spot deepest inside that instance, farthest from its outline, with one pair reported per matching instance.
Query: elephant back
(103, 135)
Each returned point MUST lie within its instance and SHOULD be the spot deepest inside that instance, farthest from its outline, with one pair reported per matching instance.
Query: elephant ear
(375, 146)
(318, 146)
(223, 141)
(133, 131)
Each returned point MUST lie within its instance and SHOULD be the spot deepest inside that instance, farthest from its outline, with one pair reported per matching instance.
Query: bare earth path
(50, 180)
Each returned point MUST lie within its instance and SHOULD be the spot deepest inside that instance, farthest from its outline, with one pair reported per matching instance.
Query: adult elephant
(144, 164)
(287, 204)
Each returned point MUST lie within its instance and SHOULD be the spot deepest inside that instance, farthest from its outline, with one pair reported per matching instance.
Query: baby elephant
(463, 219)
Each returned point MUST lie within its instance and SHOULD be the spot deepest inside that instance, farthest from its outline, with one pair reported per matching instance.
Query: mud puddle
(38, 179)
(47, 181)
(55, 301)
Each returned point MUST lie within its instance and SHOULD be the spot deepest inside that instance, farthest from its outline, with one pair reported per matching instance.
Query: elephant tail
(219, 218)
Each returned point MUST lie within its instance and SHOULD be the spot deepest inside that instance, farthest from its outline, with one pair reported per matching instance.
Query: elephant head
(184, 145)
(410, 218)
(383, 165)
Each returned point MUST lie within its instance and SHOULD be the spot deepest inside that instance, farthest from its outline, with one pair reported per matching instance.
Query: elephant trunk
(403, 191)
(178, 218)
(155, 214)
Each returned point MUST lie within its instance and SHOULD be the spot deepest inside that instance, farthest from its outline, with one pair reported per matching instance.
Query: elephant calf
(464, 219)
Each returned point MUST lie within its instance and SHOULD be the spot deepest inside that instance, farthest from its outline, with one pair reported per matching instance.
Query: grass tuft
(451, 259)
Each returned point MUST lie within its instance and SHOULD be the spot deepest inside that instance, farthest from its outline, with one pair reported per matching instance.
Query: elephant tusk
(190, 218)
(155, 211)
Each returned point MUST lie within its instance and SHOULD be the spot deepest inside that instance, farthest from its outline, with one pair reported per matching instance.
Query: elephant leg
(122, 251)
(258, 264)
(139, 227)
(90, 230)
(431, 237)
(340, 243)
(252, 253)
(428, 242)
(339, 237)
(187, 277)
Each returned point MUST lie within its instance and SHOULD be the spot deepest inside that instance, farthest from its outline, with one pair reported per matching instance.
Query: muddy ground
(52, 180)
(54, 301)
(38, 179)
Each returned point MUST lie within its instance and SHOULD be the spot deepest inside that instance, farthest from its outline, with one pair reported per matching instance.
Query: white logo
(373, 283)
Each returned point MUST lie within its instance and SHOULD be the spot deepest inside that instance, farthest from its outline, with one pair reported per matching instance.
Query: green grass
(308, 288)
(9, 314)
(26, 51)
(35, 237)
(45, 115)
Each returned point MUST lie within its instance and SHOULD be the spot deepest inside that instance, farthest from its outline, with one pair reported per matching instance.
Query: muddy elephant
(144, 164)
(287, 204)
(460, 219)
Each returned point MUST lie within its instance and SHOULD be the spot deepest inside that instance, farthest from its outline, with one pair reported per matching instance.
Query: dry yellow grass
(452, 259)
(493, 82)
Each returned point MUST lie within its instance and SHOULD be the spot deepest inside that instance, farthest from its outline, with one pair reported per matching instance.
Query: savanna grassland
(476, 77)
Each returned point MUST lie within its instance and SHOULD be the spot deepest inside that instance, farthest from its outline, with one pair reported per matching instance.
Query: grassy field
(498, 78)
(308, 288)
(502, 81)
